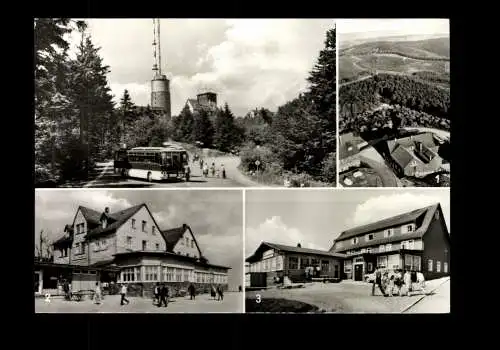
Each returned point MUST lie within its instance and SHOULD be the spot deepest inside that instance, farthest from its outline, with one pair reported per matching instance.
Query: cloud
(248, 62)
(274, 230)
(407, 26)
(384, 206)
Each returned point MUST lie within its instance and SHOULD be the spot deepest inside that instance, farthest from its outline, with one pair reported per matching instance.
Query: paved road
(232, 303)
(104, 176)
(441, 133)
(438, 302)
(346, 297)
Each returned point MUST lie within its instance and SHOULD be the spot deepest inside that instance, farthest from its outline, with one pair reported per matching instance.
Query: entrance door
(358, 272)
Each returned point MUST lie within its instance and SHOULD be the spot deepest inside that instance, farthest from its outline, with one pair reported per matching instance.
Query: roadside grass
(278, 305)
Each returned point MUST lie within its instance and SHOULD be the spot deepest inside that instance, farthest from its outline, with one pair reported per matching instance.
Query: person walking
(163, 296)
(378, 282)
(407, 282)
(192, 292)
(97, 294)
(223, 171)
(123, 292)
(156, 293)
(220, 293)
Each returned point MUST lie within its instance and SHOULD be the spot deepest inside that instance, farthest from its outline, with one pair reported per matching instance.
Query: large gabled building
(127, 246)
(417, 240)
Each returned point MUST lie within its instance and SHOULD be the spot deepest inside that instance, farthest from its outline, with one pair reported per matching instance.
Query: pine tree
(226, 133)
(185, 125)
(202, 129)
(94, 102)
(127, 109)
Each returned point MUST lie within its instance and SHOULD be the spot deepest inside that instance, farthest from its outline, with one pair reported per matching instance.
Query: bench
(80, 295)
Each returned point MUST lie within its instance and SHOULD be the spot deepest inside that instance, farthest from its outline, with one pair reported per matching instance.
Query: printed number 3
(258, 299)
(47, 298)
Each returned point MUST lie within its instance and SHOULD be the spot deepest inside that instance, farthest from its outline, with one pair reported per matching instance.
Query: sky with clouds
(367, 27)
(249, 62)
(315, 218)
(216, 217)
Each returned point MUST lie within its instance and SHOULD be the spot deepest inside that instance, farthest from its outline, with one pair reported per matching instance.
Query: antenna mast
(156, 47)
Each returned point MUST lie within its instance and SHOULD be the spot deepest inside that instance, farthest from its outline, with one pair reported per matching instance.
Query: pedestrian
(212, 169)
(201, 164)
(192, 292)
(163, 296)
(407, 283)
(205, 170)
(220, 293)
(223, 171)
(390, 285)
(240, 289)
(156, 293)
(217, 173)
(97, 294)
(67, 295)
(378, 282)
(123, 293)
(213, 292)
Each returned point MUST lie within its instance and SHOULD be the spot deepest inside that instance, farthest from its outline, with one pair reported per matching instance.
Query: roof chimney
(184, 226)
(299, 245)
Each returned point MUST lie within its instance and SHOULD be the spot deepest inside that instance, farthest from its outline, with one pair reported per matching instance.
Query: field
(425, 60)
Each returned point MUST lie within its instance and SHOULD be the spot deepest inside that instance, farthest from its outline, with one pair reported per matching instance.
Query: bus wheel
(149, 177)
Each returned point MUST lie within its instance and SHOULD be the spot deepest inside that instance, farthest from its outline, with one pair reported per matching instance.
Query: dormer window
(369, 237)
(389, 232)
(355, 240)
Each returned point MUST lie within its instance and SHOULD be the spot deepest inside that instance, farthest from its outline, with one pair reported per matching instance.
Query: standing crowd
(213, 170)
(398, 282)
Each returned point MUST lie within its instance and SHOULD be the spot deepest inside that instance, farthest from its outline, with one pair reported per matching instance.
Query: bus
(152, 163)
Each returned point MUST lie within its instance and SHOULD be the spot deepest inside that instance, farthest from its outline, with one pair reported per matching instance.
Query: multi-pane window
(143, 226)
(128, 274)
(438, 266)
(382, 262)
(293, 263)
(304, 262)
(429, 265)
(178, 275)
(348, 266)
(355, 240)
(168, 274)
(133, 223)
(389, 232)
(445, 267)
(325, 265)
(151, 273)
(129, 242)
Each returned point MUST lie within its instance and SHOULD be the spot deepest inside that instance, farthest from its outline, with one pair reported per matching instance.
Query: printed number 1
(258, 299)
(47, 298)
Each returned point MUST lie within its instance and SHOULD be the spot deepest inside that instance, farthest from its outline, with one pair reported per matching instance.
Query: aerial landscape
(394, 103)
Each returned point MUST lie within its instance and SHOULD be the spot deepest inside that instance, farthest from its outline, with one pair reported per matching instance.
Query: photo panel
(394, 103)
(138, 251)
(347, 251)
(212, 103)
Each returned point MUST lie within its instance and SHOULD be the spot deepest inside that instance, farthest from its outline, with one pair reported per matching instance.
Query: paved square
(345, 297)
(232, 303)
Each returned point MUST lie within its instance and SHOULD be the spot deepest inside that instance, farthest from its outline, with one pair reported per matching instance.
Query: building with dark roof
(417, 240)
(206, 101)
(272, 263)
(416, 155)
(349, 147)
(128, 246)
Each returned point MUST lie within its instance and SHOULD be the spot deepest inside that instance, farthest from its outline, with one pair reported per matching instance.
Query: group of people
(217, 292)
(213, 170)
(160, 295)
(398, 282)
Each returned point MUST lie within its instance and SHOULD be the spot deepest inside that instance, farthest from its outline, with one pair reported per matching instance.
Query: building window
(293, 263)
(445, 267)
(389, 232)
(144, 245)
(186, 275)
(382, 262)
(304, 262)
(128, 274)
(368, 250)
(138, 274)
(192, 243)
(355, 240)
(314, 262)
(129, 242)
(133, 223)
(369, 237)
(325, 265)
(178, 275)
(143, 226)
(381, 248)
(347, 266)
(157, 246)
(370, 267)
(438, 266)
(153, 230)
(187, 242)
(168, 274)
(151, 273)
(429, 265)
(388, 247)
(409, 228)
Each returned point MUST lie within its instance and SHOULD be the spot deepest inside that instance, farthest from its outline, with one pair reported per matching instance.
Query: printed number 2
(47, 298)
(258, 299)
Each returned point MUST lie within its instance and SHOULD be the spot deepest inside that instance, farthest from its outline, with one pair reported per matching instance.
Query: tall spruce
(203, 130)
(226, 132)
